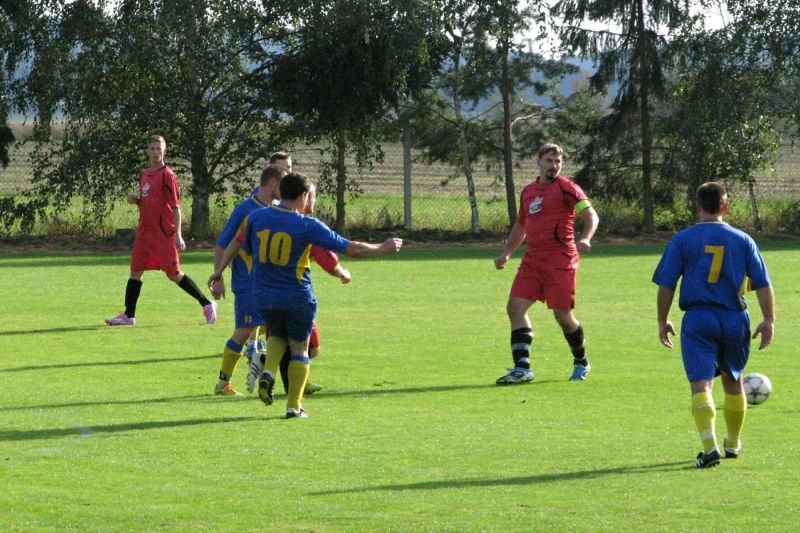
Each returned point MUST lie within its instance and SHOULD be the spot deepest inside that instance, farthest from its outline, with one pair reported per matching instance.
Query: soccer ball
(757, 388)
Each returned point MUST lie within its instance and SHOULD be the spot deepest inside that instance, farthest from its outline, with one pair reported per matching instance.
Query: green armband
(580, 206)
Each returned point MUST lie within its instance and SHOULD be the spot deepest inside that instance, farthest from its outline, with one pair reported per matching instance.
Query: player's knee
(313, 351)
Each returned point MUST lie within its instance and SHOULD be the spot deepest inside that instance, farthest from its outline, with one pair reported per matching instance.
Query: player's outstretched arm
(178, 220)
(663, 305)
(766, 329)
(366, 249)
(515, 238)
(590, 223)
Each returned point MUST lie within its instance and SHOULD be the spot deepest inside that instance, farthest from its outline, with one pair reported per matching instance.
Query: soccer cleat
(227, 390)
(732, 453)
(210, 312)
(296, 413)
(579, 372)
(266, 386)
(708, 460)
(516, 375)
(121, 320)
(311, 388)
(255, 367)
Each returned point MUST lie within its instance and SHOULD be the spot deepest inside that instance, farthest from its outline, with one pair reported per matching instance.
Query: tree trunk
(341, 180)
(508, 163)
(647, 137)
(407, 215)
(754, 204)
(466, 166)
(200, 225)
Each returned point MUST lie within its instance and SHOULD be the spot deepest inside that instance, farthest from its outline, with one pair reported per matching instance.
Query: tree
(345, 66)
(634, 59)
(181, 68)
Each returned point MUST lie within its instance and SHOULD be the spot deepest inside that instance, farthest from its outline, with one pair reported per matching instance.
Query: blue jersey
(279, 240)
(242, 263)
(714, 261)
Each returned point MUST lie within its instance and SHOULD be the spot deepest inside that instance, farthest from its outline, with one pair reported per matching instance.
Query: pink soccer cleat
(210, 312)
(121, 320)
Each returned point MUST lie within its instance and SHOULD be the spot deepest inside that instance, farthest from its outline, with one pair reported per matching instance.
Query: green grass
(115, 428)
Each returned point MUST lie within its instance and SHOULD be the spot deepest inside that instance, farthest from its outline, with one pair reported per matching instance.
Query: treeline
(672, 102)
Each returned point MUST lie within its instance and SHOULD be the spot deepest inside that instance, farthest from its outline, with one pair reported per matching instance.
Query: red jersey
(547, 211)
(158, 198)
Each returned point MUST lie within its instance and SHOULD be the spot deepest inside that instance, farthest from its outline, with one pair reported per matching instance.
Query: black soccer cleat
(266, 386)
(708, 460)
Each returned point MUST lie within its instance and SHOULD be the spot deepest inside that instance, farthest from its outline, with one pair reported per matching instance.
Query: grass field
(116, 428)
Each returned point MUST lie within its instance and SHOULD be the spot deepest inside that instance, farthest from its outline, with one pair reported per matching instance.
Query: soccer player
(240, 277)
(548, 271)
(714, 261)
(279, 239)
(158, 235)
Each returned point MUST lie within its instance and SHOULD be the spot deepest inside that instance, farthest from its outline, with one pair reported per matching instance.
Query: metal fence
(439, 198)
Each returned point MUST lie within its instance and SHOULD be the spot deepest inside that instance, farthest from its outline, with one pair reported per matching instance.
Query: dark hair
(293, 185)
(272, 172)
(278, 156)
(711, 197)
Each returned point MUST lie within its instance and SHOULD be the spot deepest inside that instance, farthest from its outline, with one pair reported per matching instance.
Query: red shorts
(537, 280)
(155, 254)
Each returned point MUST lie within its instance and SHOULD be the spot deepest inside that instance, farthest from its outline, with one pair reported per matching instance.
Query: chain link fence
(439, 199)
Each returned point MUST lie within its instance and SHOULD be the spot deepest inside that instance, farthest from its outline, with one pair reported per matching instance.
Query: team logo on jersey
(145, 190)
(535, 205)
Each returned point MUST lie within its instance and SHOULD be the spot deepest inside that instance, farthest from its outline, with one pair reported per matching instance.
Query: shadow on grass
(107, 402)
(64, 330)
(110, 363)
(416, 390)
(56, 433)
(519, 480)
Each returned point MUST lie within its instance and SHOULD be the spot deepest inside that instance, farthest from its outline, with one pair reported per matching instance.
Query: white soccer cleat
(516, 376)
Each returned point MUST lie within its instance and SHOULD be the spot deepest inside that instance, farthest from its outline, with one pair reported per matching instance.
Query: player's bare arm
(176, 217)
(365, 249)
(663, 305)
(766, 329)
(230, 252)
(590, 222)
(515, 239)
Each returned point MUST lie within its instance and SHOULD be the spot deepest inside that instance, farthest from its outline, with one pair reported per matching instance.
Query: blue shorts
(714, 340)
(243, 311)
(293, 323)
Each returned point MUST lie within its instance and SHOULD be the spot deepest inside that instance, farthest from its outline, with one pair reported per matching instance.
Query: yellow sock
(275, 348)
(735, 409)
(230, 358)
(705, 414)
(298, 375)
(254, 333)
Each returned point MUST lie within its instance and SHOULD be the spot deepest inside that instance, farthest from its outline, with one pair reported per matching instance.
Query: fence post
(407, 218)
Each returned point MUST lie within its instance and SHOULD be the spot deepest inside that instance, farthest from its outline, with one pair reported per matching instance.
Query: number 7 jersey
(279, 241)
(715, 262)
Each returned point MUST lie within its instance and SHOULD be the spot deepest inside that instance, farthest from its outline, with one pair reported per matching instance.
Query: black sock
(193, 290)
(521, 340)
(577, 344)
(132, 291)
(287, 357)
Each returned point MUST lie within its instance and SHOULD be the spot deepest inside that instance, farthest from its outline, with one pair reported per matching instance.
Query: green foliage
(117, 429)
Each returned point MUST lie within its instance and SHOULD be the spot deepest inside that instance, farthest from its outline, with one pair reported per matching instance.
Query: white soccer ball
(757, 388)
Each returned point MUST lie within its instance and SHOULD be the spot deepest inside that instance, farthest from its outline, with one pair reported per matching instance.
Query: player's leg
(230, 358)
(559, 290)
(190, 287)
(314, 345)
(251, 348)
(133, 289)
(699, 348)
(736, 328)
(526, 289)
(299, 367)
(276, 345)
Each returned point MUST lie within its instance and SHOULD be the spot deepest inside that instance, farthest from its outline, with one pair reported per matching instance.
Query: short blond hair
(156, 139)
(551, 148)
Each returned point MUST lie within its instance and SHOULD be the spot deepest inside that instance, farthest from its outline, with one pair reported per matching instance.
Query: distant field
(116, 429)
